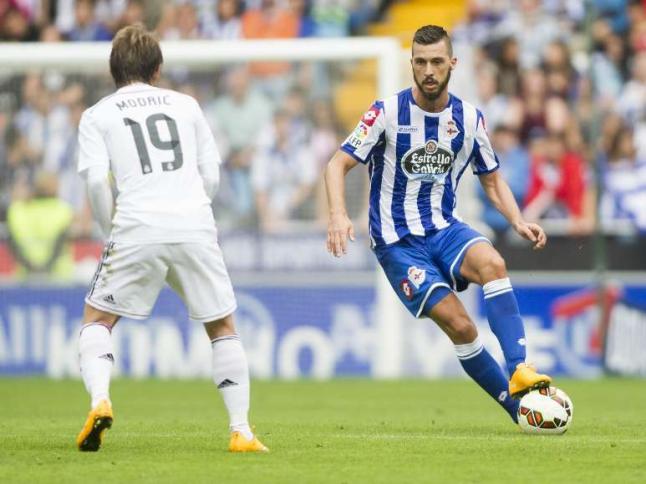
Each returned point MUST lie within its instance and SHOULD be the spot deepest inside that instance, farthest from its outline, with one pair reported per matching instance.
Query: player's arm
(500, 195)
(99, 194)
(357, 148)
(485, 164)
(94, 167)
(339, 224)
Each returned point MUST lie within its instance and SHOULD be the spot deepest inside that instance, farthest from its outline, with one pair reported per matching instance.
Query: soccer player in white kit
(158, 148)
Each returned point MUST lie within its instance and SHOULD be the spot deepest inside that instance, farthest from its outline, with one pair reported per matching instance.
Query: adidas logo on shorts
(109, 299)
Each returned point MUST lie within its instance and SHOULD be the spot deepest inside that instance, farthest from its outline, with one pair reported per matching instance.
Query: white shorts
(130, 276)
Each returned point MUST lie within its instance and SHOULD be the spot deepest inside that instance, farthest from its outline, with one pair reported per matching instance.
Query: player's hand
(532, 232)
(339, 230)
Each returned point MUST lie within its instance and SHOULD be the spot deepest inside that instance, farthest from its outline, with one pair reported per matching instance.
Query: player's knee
(494, 268)
(462, 330)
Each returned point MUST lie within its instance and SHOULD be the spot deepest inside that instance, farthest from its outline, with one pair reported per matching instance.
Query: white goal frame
(92, 57)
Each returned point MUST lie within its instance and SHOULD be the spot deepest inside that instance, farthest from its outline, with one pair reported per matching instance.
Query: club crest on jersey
(370, 116)
(429, 162)
(451, 129)
(416, 276)
(407, 289)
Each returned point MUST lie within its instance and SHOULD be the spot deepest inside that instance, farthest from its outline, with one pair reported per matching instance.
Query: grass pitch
(344, 431)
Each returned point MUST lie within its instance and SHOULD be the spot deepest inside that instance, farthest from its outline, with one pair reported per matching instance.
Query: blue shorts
(416, 266)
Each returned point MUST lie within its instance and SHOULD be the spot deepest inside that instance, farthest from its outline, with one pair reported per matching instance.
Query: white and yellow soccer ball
(545, 411)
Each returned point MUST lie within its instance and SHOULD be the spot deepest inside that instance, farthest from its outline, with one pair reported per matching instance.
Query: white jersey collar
(135, 86)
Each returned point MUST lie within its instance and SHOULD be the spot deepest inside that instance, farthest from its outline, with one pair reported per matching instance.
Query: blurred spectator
(295, 105)
(482, 16)
(133, 12)
(497, 108)
(86, 27)
(514, 167)
(302, 9)
(185, 25)
(557, 186)
(607, 69)
(331, 18)
(38, 232)
(240, 114)
(632, 102)
(42, 121)
(615, 12)
(270, 20)
(532, 28)
(624, 182)
(282, 175)
(225, 24)
(508, 61)
(15, 24)
(557, 65)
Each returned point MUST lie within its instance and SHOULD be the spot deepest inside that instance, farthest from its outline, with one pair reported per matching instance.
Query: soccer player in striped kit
(417, 145)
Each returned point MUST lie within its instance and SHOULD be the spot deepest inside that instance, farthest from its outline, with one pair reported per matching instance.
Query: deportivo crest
(451, 129)
(416, 276)
(429, 162)
(406, 288)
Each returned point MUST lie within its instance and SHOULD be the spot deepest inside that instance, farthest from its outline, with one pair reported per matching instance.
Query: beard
(440, 88)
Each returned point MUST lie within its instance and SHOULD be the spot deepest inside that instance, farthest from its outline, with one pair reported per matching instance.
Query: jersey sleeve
(367, 133)
(207, 152)
(483, 159)
(92, 148)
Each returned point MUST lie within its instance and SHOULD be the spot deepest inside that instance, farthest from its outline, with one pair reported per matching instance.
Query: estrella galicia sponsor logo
(429, 162)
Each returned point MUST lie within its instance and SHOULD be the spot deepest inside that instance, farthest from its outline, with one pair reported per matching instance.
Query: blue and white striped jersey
(416, 160)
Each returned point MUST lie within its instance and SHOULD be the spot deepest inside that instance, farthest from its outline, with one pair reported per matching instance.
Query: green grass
(343, 431)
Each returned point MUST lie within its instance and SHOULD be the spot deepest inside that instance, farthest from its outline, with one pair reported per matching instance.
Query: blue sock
(482, 368)
(505, 321)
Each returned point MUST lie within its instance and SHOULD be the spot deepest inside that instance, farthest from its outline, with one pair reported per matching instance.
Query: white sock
(96, 360)
(231, 376)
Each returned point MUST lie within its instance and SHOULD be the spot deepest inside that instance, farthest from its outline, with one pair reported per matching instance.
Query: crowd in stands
(562, 87)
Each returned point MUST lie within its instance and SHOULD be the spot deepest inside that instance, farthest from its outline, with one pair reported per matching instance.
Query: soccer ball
(545, 411)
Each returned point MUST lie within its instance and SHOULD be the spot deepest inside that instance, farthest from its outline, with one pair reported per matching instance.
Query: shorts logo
(109, 299)
(429, 162)
(416, 276)
(407, 289)
(370, 116)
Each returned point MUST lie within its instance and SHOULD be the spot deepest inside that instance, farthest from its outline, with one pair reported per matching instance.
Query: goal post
(91, 58)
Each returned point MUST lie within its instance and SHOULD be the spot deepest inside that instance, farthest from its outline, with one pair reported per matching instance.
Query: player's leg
(126, 283)
(424, 290)
(483, 265)
(96, 358)
(198, 274)
(451, 316)
(231, 377)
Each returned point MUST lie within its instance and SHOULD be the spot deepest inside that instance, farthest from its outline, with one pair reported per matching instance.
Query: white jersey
(152, 140)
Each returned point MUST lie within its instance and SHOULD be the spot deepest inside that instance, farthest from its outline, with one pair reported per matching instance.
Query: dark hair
(135, 55)
(432, 34)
